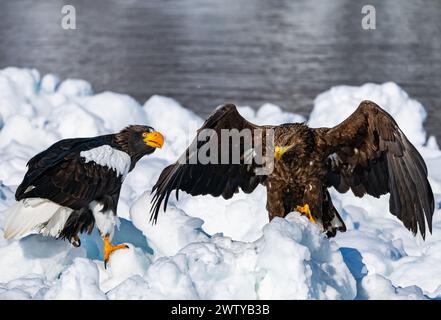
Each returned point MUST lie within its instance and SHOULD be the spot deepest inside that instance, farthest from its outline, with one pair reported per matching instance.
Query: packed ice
(205, 247)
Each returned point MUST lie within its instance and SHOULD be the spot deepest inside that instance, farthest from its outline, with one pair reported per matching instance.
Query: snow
(205, 247)
(122, 111)
(80, 280)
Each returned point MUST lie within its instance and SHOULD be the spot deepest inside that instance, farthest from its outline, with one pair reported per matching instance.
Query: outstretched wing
(61, 175)
(216, 179)
(368, 153)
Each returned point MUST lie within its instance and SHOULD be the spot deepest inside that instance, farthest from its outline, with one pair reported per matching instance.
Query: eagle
(366, 153)
(75, 184)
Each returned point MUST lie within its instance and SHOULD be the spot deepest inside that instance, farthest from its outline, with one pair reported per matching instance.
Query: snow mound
(205, 247)
(217, 267)
(79, 281)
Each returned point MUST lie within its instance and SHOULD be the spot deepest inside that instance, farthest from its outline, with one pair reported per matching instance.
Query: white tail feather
(35, 214)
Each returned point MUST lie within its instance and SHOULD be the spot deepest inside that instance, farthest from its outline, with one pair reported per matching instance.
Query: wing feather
(214, 179)
(61, 175)
(373, 156)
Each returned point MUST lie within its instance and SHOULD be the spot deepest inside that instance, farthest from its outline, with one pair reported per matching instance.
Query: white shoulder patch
(109, 157)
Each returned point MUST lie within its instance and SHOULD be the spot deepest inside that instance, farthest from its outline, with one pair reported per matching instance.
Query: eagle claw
(306, 211)
(109, 248)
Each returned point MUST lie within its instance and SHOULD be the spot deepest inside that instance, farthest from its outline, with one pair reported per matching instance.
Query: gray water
(204, 53)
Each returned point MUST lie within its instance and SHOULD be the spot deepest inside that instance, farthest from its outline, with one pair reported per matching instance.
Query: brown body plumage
(300, 178)
(367, 153)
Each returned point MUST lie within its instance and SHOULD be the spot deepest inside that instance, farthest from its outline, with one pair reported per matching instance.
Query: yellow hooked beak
(154, 139)
(279, 151)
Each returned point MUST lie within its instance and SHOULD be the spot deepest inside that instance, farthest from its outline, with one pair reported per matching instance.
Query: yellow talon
(109, 248)
(306, 211)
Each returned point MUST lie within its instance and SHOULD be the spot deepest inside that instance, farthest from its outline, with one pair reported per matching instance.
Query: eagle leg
(306, 211)
(109, 248)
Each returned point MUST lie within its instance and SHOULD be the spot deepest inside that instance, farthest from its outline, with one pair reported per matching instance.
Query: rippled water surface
(249, 52)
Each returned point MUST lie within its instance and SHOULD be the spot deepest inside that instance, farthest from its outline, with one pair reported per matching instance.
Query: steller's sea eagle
(75, 184)
(367, 153)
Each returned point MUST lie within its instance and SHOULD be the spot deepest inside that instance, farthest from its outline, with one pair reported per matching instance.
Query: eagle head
(291, 141)
(138, 140)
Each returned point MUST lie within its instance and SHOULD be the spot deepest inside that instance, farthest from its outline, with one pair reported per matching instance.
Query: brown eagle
(367, 153)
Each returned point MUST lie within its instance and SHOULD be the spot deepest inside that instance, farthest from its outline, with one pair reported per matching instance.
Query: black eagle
(75, 184)
(367, 153)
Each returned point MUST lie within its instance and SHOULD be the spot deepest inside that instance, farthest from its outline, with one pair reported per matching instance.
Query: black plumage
(367, 153)
(64, 175)
(61, 175)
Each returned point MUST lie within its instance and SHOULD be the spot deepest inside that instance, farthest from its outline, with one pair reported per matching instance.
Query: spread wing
(61, 175)
(368, 153)
(190, 175)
